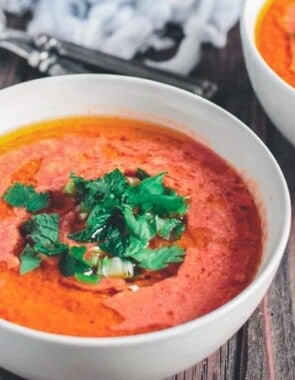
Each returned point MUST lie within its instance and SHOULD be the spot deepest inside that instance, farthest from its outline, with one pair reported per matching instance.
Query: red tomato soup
(193, 225)
(275, 37)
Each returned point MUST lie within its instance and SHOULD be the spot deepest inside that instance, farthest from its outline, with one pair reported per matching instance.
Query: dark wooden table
(264, 348)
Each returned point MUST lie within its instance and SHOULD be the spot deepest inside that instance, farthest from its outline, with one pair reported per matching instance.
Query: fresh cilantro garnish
(43, 230)
(141, 226)
(115, 236)
(157, 259)
(72, 262)
(169, 229)
(122, 218)
(51, 248)
(29, 260)
(97, 222)
(151, 195)
(20, 195)
(107, 189)
(91, 279)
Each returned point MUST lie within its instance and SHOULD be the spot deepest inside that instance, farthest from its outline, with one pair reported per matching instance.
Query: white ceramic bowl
(41, 356)
(276, 96)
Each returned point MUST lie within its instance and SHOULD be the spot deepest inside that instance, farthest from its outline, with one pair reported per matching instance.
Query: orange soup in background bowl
(137, 235)
(275, 37)
(267, 32)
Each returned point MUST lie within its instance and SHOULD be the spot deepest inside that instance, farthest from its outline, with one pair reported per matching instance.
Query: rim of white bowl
(250, 35)
(186, 327)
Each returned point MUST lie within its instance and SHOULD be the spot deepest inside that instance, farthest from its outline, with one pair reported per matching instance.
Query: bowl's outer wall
(276, 96)
(39, 356)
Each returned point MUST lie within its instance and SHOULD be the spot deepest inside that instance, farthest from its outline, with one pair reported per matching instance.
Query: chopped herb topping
(20, 195)
(72, 262)
(106, 189)
(91, 279)
(43, 230)
(29, 260)
(121, 216)
(151, 195)
(156, 259)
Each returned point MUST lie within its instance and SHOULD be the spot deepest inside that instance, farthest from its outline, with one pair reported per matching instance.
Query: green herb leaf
(73, 262)
(105, 226)
(78, 253)
(116, 182)
(152, 196)
(157, 259)
(42, 228)
(111, 186)
(83, 236)
(99, 217)
(20, 195)
(96, 224)
(70, 188)
(29, 260)
(51, 249)
(115, 236)
(67, 265)
(135, 246)
(141, 226)
(92, 279)
(169, 229)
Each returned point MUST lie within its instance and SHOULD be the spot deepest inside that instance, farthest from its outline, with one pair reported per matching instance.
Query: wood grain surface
(264, 348)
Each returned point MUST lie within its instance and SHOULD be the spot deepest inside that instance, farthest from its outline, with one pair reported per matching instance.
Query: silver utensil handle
(45, 61)
(65, 67)
(202, 87)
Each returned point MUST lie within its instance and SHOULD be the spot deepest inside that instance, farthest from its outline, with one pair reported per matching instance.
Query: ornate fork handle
(45, 61)
(202, 87)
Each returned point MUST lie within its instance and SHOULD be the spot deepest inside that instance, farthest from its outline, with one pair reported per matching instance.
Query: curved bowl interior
(101, 94)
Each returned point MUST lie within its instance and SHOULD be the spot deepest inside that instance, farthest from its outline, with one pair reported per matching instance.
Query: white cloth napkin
(125, 27)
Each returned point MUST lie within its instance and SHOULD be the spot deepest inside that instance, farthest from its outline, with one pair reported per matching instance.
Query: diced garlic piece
(116, 267)
(83, 215)
(134, 287)
(95, 249)
(133, 181)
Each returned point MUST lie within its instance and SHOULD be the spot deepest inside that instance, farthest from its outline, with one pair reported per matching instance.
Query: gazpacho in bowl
(112, 226)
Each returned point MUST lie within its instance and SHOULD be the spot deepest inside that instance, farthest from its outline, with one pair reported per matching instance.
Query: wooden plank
(282, 325)
(291, 264)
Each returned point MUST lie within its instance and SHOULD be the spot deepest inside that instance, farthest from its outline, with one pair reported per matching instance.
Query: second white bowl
(276, 96)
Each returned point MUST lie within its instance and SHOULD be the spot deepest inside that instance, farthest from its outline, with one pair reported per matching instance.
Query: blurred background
(166, 34)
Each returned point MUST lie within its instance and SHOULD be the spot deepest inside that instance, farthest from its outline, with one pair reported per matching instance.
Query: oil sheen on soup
(112, 226)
